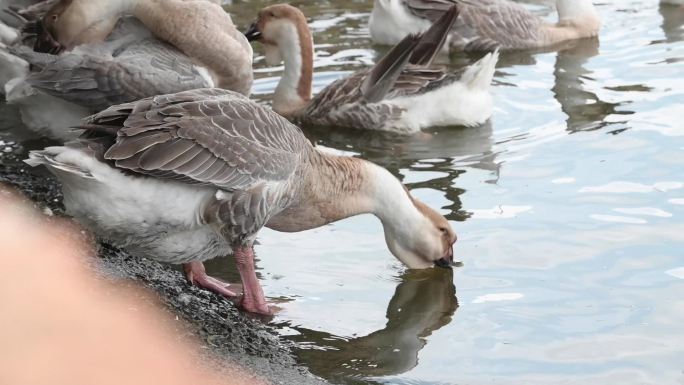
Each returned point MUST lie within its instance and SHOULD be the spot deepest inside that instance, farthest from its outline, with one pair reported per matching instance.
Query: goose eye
(54, 17)
(271, 14)
(444, 230)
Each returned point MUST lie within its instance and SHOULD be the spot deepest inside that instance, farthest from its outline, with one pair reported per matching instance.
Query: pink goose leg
(197, 275)
(253, 299)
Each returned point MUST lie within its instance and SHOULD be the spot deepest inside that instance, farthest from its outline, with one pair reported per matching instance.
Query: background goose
(130, 64)
(485, 24)
(14, 16)
(200, 29)
(401, 93)
(186, 177)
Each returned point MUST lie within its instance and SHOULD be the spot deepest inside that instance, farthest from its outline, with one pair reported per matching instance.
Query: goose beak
(253, 32)
(447, 261)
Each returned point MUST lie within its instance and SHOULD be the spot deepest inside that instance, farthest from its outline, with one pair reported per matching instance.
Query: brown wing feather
(205, 136)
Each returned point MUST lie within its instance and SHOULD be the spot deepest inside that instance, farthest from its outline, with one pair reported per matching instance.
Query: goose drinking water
(185, 177)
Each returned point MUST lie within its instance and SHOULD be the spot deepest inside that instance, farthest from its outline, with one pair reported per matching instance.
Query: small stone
(47, 211)
(185, 299)
(8, 149)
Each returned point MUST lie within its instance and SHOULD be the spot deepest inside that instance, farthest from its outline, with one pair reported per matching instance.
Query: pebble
(184, 299)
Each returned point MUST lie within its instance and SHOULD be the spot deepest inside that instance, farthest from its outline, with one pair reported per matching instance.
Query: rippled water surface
(569, 207)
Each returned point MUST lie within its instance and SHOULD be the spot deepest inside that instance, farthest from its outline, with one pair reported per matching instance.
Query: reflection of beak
(447, 261)
(253, 32)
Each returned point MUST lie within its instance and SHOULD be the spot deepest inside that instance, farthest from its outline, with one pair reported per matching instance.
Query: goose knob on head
(402, 93)
(189, 176)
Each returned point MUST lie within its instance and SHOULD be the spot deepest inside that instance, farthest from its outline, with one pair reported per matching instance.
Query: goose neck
(352, 186)
(295, 46)
(575, 9)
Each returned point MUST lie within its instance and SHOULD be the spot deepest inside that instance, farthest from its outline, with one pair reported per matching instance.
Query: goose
(189, 176)
(134, 61)
(131, 64)
(12, 17)
(485, 24)
(402, 93)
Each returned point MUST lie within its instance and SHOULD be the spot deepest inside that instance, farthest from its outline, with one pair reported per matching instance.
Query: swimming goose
(130, 64)
(485, 24)
(402, 93)
(185, 177)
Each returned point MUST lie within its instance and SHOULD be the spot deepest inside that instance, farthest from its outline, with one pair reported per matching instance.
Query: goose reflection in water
(673, 19)
(585, 110)
(424, 301)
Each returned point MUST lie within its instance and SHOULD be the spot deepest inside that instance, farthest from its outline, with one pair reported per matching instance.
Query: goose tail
(49, 157)
(480, 74)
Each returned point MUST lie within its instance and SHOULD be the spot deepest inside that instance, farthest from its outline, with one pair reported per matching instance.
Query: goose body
(185, 177)
(402, 93)
(484, 24)
(202, 30)
(132, 62)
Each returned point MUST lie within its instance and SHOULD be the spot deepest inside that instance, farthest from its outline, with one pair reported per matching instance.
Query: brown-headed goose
(485, 24)
(402, 93)
(180, 45)
(185, 177)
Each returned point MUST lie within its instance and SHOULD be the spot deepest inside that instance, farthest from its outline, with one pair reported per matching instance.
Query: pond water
(569, 206)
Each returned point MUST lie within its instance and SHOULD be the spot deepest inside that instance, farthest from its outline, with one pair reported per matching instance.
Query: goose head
(285, 35)
(279, 27)
(426, 241)
(73, 22)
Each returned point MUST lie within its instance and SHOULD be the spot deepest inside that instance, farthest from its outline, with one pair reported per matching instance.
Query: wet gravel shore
(225, 333)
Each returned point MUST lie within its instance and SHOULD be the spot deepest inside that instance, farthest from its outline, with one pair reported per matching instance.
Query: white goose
(204, 49)
(185, 177)
(485, 24)
(402, 93)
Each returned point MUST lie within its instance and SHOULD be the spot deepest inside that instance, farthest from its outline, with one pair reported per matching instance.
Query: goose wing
(206, 136)
(100, 76)
(484, 24)
(404, 70)
(391, 75)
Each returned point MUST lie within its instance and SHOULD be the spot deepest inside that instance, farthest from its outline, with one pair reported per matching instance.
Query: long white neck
(392, 203)
(356, 186)
(575, 9)
(296, 49)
